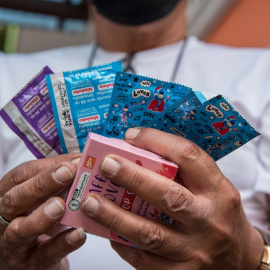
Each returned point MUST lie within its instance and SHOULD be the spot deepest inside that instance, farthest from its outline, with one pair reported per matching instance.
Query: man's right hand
(26, 243)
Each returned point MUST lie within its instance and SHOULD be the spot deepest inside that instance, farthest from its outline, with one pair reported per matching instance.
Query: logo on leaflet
(89, 162)
(89, 119)
(74, 205)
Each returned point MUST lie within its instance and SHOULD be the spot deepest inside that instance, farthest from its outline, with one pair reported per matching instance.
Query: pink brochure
(88, 179)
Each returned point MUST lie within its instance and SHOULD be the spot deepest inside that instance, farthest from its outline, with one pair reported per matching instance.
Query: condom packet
(137, 100)
(179, 112)
(80, 101)
(89, 180)
(215, 125)
(29, 114)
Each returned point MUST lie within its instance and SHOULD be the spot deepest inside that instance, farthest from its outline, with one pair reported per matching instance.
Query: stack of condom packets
(213, 124)
(123, 100)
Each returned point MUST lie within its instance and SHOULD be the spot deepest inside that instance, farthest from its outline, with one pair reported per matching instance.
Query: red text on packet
(44, 91)
(89, 162)
(83, 91)
(50, 125)
(105, 86)
(126, 203)
(31, 103)
(88, 119)
(127, 200)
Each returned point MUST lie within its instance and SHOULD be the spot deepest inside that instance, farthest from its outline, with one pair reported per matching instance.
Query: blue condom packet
(137, 100)
(215, 125)
(182, 110)
(80, 101)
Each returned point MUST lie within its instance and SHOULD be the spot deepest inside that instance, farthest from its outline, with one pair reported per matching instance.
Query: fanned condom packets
(215, 125)
(80, 101)
(137, 100)
(29, 114)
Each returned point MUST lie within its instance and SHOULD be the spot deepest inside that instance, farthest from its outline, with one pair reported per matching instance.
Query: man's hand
(26, 243)
(211, 230)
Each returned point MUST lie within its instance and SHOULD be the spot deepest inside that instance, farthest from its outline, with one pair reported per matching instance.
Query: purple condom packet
(29, 114)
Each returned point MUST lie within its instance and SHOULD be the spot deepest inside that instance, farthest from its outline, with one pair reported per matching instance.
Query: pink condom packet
(29, 114)
(89, 180)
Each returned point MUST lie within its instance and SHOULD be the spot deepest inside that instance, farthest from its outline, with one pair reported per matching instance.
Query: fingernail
(76, 236)
(54, 209)
(62, 175)
(132, 133)
(110, 166)
(76, 161)
(90, 205)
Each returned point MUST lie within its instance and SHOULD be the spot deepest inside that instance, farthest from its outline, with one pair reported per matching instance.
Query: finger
(154, 236)
(144, 260)
(167, 195)
(54, 250)
(23, 232)
(3, 225)
(30, 169)
(197, 170)
(34, 191)
(58, 228)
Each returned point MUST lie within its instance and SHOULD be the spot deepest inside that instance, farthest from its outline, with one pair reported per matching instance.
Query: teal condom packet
(137, 100)
(214, 125)
(80, 101)
(182, 110)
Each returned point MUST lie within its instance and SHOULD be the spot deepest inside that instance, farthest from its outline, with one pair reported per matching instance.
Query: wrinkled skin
(211, 230)
(33, 239)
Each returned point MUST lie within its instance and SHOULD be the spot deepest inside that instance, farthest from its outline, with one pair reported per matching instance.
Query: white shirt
(240, 75)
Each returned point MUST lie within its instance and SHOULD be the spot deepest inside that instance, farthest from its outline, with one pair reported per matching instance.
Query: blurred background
(35, 25)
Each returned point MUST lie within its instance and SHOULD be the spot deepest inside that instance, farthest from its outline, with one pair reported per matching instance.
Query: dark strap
(92, 54)
(128, 60)
(265, 235)
(179, 60)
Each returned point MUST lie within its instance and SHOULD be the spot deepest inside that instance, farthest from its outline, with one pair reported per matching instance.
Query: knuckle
(19, 174)
(29, 228)
(38, 187)
(150, 237)
(202, 216)
(225, 235)
(176, 200)
(191, 151)
(232, 201)
(235, 199)
(12, 236)
(9, 203)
